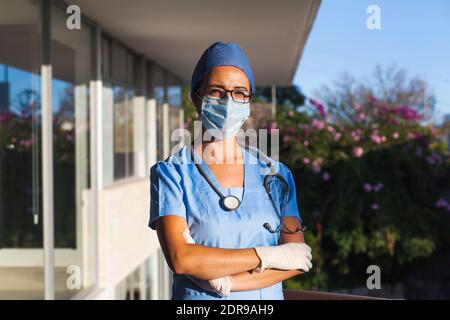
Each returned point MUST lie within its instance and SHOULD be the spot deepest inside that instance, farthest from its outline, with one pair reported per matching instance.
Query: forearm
(202, 262)
(209, 263)
(253, 280)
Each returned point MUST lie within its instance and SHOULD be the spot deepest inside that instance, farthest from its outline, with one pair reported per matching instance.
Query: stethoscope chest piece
(230, 202)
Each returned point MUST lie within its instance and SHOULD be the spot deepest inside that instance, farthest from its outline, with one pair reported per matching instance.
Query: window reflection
(174, 98)
(71, 68)
(119, 67)
(21, 268)
(123, 133)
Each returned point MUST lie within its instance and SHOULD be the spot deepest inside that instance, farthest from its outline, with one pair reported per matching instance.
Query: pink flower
(286, 138)
(407, 113)
(306, 143)
(337, 136)
(318, 106)
(316, 166)
(357, 106)
(360, 116)
(395, 135)
(375, 206)
(441, 203)
(393, 121)
(373, 100)
(291, 129)
(290, 113)
(367, 187)
(5, 116)
(306, 160)
(318, 124)
(331, 129)
(306, 129)
(356, 135)
(326, 176)
(375, 137)
(378, 187)
(358, 151)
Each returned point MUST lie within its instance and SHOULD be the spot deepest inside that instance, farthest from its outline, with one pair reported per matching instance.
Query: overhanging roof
(174, 33)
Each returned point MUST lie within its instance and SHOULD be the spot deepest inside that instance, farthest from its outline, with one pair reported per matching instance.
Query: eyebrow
(223, 87)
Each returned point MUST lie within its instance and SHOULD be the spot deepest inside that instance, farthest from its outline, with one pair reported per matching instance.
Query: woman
(223, 247)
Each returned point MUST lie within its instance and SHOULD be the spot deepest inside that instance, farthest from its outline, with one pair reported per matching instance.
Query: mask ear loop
(196, 93)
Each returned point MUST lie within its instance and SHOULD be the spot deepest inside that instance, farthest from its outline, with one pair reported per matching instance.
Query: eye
(241, 95)
(213, 92)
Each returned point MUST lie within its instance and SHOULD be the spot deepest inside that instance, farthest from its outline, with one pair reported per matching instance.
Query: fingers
(309, 264)
(187, 236)
(308, 255)
(306, 265)
(303, 252)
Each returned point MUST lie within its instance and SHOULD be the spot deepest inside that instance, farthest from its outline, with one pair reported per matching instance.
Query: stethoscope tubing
(266, 187)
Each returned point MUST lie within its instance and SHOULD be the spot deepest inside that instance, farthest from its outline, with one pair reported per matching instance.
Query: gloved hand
(221, 286)
(288, 256)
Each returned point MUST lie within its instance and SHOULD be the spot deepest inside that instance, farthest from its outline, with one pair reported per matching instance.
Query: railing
(317, 295)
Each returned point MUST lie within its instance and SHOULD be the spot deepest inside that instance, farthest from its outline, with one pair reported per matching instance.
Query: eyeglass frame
(250, 94)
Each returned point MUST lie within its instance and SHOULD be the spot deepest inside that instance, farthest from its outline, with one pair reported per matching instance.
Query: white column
(139, 136)
(106, 153)
(274, 102)
(47, 181)
(151, 142)
(81, 182)
(154, 276)
(166, 130)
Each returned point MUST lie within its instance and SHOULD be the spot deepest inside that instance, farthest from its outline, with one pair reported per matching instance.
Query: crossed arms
(207, 263)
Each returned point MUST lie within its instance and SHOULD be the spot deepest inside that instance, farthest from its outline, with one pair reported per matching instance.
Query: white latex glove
(288, 256)
(221, 286)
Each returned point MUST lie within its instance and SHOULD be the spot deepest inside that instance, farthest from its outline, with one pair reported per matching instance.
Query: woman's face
(228, 77)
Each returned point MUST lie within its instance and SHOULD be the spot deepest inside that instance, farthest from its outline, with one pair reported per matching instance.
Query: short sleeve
(166, 193)
(291, 205)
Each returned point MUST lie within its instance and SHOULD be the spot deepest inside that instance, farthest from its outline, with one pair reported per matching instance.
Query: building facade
(84, 113)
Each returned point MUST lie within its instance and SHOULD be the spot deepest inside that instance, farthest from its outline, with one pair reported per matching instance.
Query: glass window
(121, 88)
(174, 91)
(157, 90)
(106, 59)
(21, 271)
(123, 132)
(174, 98)
(71, 66)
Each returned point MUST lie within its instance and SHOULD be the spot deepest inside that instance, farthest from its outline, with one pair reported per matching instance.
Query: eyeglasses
(238, 95)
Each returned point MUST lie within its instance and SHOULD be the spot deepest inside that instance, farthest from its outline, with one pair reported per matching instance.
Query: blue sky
(414, 35)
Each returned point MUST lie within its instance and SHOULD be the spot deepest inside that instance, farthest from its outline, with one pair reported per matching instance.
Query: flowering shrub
(371, 189)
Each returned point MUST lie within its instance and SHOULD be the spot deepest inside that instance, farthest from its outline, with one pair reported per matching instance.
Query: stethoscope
(231, 202)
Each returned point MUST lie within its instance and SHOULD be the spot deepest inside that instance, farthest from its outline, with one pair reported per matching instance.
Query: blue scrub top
(178, 188)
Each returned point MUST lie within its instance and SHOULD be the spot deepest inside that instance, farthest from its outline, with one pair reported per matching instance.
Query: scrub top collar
(212, 177)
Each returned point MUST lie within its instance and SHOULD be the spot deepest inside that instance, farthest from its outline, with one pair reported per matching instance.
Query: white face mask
(223, 118)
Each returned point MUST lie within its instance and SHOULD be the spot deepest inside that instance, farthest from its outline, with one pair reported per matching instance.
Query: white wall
(125, 240)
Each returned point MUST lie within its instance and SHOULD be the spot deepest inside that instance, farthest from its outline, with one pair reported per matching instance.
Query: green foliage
(368, 188)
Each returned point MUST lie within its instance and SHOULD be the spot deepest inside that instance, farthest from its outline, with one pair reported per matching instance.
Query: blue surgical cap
(221, 54)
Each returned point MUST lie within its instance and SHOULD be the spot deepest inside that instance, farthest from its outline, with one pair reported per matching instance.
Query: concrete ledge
(317, 295)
